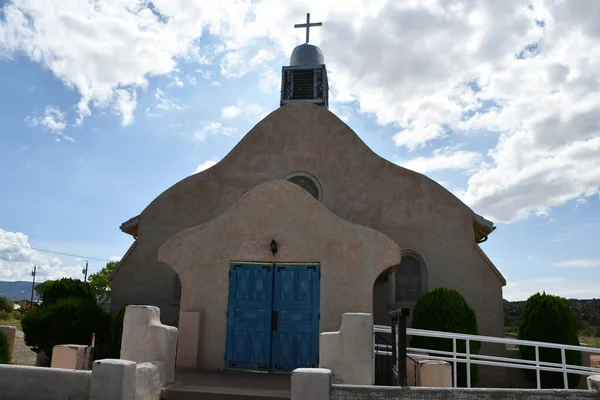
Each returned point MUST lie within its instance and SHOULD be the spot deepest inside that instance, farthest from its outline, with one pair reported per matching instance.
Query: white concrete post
(11, 333)
(593, 383)
(311, 383)
(113, 379)
(71, 356)
(348, 353)
(145, 339)
(147, 382)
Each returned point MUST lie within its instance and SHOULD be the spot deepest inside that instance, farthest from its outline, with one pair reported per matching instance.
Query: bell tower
(305, 79)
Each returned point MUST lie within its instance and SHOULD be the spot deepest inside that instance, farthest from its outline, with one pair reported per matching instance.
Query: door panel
(295, 338)
(249, 316)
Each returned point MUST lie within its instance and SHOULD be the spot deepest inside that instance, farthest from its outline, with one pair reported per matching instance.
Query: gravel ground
(22, 354)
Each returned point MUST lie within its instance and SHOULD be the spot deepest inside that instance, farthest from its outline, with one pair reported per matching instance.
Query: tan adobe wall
(349, 256)
(358, 185)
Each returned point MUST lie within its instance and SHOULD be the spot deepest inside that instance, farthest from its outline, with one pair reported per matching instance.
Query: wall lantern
(273, 246)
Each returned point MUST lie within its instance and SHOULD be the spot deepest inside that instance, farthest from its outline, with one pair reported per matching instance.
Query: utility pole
(84, 271)
(33, 284)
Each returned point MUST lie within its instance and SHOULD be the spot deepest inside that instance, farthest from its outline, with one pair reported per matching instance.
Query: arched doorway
(400, 286)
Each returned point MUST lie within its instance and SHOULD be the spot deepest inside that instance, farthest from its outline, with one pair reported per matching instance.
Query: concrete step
(195, 392)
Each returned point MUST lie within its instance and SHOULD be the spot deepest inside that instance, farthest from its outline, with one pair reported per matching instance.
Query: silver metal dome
(306, 54)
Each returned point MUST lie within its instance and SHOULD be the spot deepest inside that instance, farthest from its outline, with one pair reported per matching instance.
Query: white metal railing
(456, 357)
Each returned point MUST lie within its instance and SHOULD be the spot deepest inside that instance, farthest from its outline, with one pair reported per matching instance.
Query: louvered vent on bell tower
(305, 80)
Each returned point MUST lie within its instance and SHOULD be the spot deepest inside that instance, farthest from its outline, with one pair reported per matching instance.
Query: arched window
(409, 279)
(307, 182)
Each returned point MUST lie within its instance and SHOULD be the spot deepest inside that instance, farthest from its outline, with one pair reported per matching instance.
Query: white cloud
(261, 58)
(205, 165)
(254, 111)
(204, 74)
(176, 82)
(211, 129)
(53, 120)
(578, 263)
(444, 158)
(230, 112)
(99, 48)
(164, 103)
(124, 104)
(432, 69)
(17, 259)
(269, 81)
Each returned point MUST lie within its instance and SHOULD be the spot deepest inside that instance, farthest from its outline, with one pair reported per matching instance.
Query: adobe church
(300, 223)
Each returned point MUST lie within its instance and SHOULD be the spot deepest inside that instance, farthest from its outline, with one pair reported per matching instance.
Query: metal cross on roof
(308, 25)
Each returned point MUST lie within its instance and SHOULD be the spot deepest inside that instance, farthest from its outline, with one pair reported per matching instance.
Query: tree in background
(6, 304)
(6, 308)
(101, 283)
(548, 318)
(446, 310)
(69, 314)
(41, 287)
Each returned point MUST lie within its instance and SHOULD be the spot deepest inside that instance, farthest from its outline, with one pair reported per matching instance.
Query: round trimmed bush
(548, 318)
(446, 310)
(65, 288)
(68, 321)
(4, 349)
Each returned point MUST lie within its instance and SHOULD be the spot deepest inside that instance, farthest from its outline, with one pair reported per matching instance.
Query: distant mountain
(19, 290)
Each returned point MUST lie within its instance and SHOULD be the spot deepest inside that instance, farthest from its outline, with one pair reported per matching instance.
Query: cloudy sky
(106, 103)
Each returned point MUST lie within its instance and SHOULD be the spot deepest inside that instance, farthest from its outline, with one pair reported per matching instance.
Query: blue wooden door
(295, 337)
(249, 317)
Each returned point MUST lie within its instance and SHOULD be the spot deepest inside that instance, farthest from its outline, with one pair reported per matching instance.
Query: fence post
(398, 318)
(537, 367)
(564, 367)
(468, 364)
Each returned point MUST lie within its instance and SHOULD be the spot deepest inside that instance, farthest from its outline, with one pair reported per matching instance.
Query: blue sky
(104, 107)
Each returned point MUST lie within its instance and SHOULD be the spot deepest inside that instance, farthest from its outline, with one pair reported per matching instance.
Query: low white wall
(40, 383)
(348, 353)
(146, 339)
(349, 392)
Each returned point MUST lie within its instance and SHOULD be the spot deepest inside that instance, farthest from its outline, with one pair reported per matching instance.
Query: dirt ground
(22, 355)
(595, 361)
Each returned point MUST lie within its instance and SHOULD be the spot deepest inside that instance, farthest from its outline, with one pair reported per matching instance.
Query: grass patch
(590, 341)
(15, 323)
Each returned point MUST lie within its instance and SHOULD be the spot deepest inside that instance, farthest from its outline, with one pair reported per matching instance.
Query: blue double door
(273, 317)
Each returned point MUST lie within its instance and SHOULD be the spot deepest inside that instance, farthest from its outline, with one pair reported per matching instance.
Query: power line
(55, 252)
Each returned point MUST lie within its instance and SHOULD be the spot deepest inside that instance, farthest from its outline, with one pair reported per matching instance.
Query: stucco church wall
(306, 231)
(358, 185)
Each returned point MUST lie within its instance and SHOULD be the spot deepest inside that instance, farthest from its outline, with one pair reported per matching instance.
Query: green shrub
(108, 345)
(4, 349)
(68, 321)
(5, 315)
(6, 304)
(446, 310)
(65, 288)
(548, 318)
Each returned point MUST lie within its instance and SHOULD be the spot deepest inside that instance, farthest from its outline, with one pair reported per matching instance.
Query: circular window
(307, 182)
